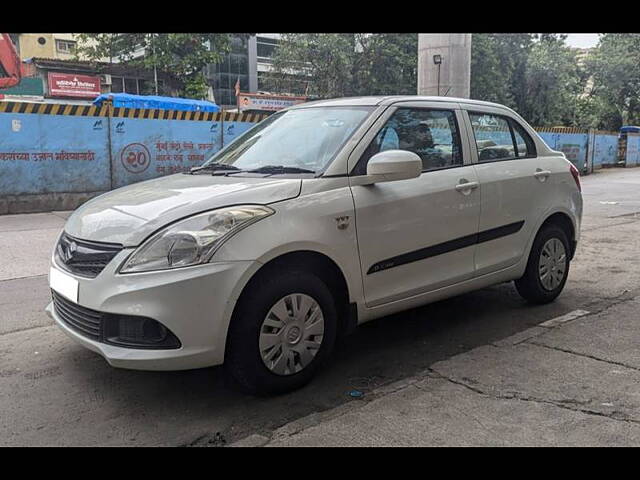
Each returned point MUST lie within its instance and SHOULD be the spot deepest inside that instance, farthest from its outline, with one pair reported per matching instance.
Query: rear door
(515, 187)
(417, 235)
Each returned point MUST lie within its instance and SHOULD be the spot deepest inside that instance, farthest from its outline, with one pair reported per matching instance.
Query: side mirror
(392, 165)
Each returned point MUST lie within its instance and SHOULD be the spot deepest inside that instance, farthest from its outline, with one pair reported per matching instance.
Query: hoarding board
(70, 85)
(270, 103)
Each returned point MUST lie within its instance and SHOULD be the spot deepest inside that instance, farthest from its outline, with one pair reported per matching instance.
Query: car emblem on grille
(68, 250)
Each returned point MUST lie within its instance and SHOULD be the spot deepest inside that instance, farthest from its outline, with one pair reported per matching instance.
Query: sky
(582, 40)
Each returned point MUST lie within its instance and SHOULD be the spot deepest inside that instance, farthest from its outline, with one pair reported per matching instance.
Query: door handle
(466, 187)
(542, 174)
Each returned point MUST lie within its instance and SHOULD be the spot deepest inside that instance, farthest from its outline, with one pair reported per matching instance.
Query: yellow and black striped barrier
(122, 112)
(108, 110)
(561, 129)
(54, 109)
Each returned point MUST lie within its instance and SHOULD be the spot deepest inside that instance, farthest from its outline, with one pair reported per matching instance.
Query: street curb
(554, 322)
(520, 337)
(254, 440)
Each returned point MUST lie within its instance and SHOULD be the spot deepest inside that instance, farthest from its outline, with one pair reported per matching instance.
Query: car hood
(130, 214)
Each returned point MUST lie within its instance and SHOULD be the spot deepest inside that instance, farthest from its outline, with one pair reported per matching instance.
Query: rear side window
(431, 134)
(500, 138)
(524, 143)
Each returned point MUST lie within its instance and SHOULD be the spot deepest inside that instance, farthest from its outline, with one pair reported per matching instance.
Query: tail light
(576, 176)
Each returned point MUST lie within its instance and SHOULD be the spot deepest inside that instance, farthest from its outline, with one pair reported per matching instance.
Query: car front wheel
(283, 330)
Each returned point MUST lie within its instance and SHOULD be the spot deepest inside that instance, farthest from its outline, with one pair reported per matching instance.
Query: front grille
(126, 331)
(84, 258)
(81, 319)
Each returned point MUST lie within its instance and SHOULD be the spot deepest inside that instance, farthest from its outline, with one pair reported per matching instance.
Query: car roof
(391, 99)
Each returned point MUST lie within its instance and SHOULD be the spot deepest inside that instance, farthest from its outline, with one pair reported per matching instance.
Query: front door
(417, 235)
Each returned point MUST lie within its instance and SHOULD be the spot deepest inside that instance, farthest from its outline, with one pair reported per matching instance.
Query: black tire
(243, 364)
(530, 286)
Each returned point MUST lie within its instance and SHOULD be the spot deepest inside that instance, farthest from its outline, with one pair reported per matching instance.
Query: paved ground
(480, 369)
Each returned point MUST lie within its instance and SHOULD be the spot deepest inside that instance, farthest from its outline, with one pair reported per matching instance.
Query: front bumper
(195, 303)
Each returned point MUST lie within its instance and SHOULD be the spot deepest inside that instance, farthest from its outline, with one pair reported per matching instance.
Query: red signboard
(70, 85)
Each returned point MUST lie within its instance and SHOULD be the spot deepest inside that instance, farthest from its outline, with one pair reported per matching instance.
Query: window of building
(146, 87)
(239, 44)
(266, 47)
(223, 76)
(431, 134)
(117, 85)
(499, 138)
(135, 86)
(65, 46)
(131, 85)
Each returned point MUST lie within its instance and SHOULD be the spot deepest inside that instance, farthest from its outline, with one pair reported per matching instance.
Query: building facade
(249, 63)
(81, 81)
(57, 46)
(54, 72)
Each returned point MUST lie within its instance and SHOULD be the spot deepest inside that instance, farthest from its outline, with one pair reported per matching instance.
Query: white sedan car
(323, 216)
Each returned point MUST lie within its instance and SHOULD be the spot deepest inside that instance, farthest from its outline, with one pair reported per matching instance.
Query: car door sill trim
(446, 247)
(418, 293)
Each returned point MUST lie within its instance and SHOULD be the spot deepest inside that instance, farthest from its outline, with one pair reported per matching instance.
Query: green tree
(389, 66)
(498, 66)
(614, 67)
(181, 55)
(552, 84)
(536, 75)
(345, 64)
(324, 62)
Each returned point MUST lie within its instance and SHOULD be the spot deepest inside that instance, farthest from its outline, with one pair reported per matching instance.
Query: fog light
(138, 332)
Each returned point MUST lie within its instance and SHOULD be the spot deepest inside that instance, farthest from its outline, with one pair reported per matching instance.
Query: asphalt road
(54, 392)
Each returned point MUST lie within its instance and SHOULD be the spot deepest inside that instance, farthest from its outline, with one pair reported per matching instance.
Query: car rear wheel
(547, 267)
(283, 330)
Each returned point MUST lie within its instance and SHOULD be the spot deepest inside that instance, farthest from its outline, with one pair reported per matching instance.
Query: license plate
(63, 284)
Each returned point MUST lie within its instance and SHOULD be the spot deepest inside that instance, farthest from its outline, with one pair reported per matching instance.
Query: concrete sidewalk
(574, 380)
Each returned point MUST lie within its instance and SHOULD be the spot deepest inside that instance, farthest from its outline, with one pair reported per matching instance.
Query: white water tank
(452, 76)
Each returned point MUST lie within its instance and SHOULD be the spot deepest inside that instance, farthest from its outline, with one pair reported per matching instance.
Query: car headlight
(193, 241)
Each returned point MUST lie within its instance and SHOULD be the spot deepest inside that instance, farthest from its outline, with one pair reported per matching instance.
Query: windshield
(305, 138)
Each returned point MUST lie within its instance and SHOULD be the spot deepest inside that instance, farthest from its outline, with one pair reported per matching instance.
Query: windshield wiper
(213, 167)
(279, 169)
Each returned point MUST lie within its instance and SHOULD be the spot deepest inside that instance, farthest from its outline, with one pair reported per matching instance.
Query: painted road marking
(564, 318)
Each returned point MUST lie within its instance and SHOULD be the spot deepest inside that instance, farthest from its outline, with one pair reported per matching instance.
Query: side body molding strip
(446, 247)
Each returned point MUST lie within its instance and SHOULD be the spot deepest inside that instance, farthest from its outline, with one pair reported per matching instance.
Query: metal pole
(439, 79)
(155, 71)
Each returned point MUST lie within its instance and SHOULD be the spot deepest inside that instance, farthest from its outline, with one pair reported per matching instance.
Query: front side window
(499, 138)
(431, 134)
(306, 138)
